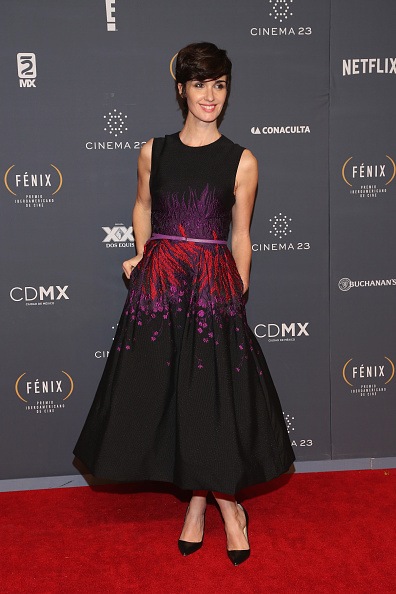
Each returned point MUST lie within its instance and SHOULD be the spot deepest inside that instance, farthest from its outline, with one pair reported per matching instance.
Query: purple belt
(182, 238)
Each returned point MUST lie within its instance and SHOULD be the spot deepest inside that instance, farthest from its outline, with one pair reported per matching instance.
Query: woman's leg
(234, 521)
(194, 520)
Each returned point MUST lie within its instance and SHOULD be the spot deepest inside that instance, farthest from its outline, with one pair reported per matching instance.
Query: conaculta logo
(356, 66)
(39, 296)
(44, 395)
(280, 229)
(280, 12)
(33, 189)
(118, 236)
(288, 129)
(345, 284)
(282, 332)
(368, 179)
(115, 126)
(27, 71)
(368, 378)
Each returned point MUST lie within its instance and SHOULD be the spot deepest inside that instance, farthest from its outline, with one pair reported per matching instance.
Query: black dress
(186, 396)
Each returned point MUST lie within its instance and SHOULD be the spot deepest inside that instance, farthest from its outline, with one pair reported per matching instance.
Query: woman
(186, 395)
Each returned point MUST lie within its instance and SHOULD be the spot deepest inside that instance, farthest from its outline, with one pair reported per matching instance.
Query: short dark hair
(202, 61)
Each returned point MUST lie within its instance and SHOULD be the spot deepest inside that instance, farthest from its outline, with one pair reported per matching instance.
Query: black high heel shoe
(186, 547)
(238, 556)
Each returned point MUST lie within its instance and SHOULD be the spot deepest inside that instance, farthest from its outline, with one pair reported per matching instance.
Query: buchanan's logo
(345, 284)
(368, 180)
(33, 188)
(368, 379)
(44, 395)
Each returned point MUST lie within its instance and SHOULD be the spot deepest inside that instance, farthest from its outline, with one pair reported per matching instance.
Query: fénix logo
(40, 295)
(110, 15)
(282, 332)
(368, 378)
(356, 66)
(368, 179)
(345, 284)
(33, 188)
(118, 236)
(268, 130)
(44, 394)
(27, 71)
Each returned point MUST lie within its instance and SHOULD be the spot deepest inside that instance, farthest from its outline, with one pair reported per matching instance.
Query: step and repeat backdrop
(85, 84)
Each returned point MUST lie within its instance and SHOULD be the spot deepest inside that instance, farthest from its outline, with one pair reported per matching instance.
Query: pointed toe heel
(238, 556)
(187, 548)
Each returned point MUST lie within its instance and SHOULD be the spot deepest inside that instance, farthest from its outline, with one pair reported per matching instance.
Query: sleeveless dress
(186, 396)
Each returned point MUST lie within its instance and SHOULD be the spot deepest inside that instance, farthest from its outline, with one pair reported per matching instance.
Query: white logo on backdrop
(346, 283)
(281, 130)
(110, 15)
(27, 71)
(356, 66)
(39, 295)
(280, 225)
(118, 236)
(296, 442)
(282, 332)
(280, 10)
(289, 422)
(279, 230)
(115, 123)
(103, 354)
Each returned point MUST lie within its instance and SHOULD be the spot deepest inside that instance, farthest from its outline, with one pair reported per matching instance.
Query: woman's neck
(196, 133)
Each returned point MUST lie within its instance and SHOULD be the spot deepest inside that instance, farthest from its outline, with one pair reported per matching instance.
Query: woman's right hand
(129, 265)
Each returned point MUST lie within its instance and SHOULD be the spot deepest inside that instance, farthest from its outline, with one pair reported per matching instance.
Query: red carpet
(329, 532)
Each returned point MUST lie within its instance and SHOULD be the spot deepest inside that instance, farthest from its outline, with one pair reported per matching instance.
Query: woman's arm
(245, 194)
(141, 214)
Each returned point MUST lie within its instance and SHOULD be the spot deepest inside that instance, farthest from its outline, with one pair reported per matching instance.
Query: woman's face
(205, 99)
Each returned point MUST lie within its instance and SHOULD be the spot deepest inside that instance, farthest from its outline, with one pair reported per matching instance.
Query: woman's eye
(220, 86)
(199, 85)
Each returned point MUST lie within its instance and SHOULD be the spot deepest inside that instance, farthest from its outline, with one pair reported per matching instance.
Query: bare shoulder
(248, 162)
(145, 154)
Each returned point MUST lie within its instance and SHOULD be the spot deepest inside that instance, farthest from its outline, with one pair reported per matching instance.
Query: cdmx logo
(39, 295)
(381, 372)
(118, 236)
(281, 332)
(28, 388)
(27, 71)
